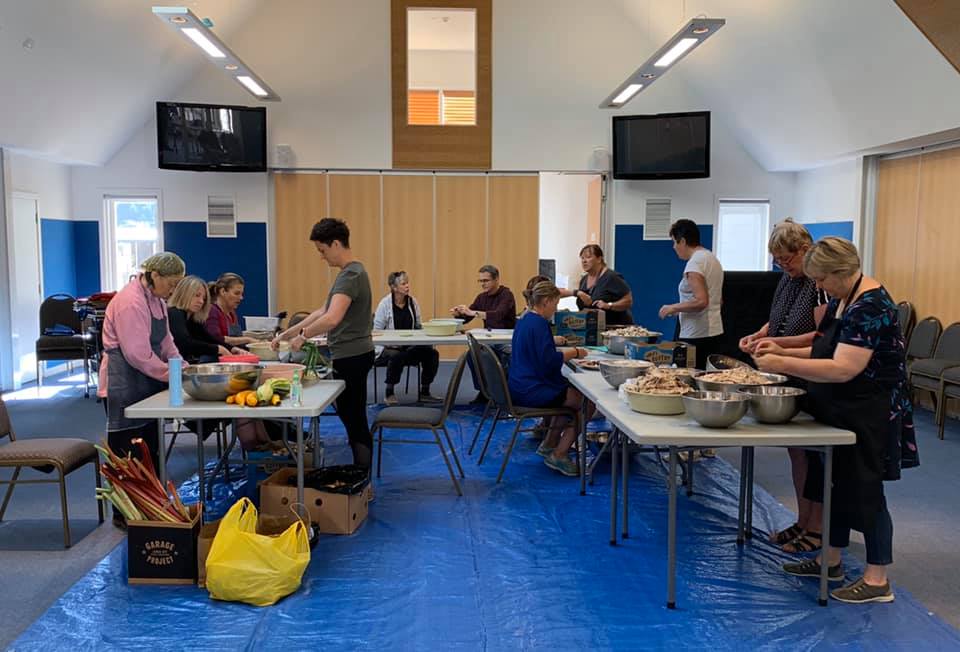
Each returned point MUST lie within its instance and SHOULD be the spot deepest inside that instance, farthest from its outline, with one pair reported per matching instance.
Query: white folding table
(683, 433)
(316, 398)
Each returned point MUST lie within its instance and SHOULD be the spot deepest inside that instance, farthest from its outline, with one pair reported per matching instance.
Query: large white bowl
(440, 328)
(265, 352)
(655, 403)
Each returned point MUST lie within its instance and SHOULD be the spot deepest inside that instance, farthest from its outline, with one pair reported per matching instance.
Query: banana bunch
(270, 392)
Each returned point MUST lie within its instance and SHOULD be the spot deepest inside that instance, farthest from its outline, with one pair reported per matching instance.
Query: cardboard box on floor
(331, 513)
(159, 552)
(267, 525)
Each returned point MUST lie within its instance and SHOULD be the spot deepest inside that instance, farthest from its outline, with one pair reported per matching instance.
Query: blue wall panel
(57, 251)
(653, 271)
(86, 240)
(245, 255)
(823, 229)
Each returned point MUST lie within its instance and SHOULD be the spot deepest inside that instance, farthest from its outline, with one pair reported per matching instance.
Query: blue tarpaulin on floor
(521, 565)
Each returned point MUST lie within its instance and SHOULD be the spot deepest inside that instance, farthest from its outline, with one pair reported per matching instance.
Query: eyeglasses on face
(785, 260)
(484, 281)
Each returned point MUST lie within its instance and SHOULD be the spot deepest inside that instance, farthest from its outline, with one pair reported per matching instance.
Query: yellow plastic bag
(244, 566)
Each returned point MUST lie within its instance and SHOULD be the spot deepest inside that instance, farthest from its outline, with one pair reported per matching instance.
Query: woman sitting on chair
(188, 309)
(536, 379)
(399, 310)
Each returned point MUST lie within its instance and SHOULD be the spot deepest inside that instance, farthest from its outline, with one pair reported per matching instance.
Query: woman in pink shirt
(137, 344)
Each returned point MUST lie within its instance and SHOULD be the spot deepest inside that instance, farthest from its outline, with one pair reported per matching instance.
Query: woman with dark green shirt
(346, 320)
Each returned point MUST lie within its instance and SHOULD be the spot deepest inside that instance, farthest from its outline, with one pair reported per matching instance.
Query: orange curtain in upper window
(423, 107)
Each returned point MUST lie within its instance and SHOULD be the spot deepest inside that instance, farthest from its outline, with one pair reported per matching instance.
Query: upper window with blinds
(440, 107)
(441, 66)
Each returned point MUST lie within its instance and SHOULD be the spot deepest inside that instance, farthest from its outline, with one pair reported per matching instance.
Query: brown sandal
(806, 542)
(786, 536)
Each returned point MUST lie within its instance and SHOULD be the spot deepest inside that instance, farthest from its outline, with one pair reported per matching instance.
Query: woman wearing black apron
(857, 379)
(137, 345)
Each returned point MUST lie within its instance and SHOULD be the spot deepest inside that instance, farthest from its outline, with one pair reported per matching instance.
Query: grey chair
(923, 339)
(489, 407)
(495, 380)
(927, 373)
(949, 388)
(906, 317)
(423, 418)
(61, 454)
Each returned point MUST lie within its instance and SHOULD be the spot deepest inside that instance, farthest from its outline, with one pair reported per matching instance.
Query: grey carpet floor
(35, 569)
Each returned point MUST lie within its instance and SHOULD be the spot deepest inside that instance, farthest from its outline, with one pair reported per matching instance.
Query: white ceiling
(446, 29)
(807, 82)
(799, 82)
(94, 72)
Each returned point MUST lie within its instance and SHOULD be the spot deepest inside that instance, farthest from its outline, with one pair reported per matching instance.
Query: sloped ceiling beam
(939, 20)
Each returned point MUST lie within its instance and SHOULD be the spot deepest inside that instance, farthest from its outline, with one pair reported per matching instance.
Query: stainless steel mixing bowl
(773, 404)
(215, 382)
(615, 343)
(616, 372)
(716, 409)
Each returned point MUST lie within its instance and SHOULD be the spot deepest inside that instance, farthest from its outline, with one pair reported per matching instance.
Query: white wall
(554, 61)
(830, 193)
(183, 195)
(451, 70)
(49, 181)
(563, 220)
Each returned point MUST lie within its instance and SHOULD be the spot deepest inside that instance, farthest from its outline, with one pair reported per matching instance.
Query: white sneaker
(390, 399)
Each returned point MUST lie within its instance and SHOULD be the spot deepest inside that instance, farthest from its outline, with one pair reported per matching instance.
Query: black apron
(863, 406)
(127, 385)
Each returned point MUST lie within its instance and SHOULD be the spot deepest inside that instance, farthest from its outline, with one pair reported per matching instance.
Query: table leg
(690, 472)
(613, 489)
(748, 529)
(162, 453)
(624, 474)
(827, 489)
(300, 460)
(315, 435)
(200, 461)
(741, 502)
(672, 531)
(582, 436)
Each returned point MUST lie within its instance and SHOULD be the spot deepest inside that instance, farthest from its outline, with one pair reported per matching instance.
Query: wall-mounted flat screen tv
(211, 137)
(662, 146)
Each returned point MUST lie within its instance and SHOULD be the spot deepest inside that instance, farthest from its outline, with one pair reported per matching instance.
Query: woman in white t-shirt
(701, 293)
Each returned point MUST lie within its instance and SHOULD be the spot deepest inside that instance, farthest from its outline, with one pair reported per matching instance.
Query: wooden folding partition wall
(917, 228)
(439, 228)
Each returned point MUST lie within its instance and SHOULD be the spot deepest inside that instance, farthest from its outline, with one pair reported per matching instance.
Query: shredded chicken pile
(656, 382)
(629, 331)
(738, 376)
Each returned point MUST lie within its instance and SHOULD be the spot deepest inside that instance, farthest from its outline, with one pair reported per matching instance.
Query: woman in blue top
(536, 379)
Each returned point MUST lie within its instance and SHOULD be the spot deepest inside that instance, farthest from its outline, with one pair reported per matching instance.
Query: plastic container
(176, 381)
(296, 390)
(261, 323)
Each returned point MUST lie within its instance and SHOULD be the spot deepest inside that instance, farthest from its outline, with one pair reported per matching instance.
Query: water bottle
(296, 390)
(176, 381)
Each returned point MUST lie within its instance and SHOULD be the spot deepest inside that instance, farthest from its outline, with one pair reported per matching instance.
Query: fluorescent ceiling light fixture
(675, 52)
(188, 24)
(627, 93)
(205, 44)
(695, 32)
(251, 85)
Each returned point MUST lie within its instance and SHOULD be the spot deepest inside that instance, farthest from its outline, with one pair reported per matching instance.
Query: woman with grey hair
(796, 309)
(857, 381)
(399, 310)
(136, 347)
